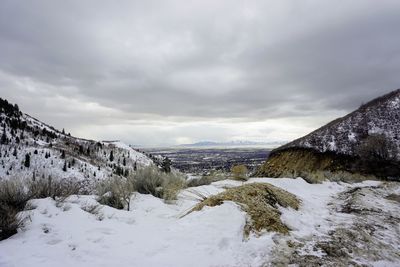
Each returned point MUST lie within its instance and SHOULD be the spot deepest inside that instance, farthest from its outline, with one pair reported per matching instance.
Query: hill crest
(30, 148)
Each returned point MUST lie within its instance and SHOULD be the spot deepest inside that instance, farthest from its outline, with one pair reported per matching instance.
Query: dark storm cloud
(197, 60)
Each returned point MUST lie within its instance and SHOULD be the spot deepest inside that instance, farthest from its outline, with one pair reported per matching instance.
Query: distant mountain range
(362, 144)
(239, 143)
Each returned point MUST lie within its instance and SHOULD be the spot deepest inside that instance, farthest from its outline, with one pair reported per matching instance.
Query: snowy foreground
(81, 232)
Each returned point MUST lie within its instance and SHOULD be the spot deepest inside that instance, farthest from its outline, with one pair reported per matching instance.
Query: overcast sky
(169, 72)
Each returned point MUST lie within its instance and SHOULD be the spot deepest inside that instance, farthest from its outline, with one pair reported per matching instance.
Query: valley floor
(337, 224)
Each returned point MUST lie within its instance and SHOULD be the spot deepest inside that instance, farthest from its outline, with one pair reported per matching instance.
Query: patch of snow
(313, 216)
(352, 137)
(395, 103)
(133, 154)
(151, 234)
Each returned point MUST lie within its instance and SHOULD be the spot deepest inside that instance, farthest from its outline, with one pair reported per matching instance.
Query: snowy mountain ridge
(343, 135)
(30, 148)
(364, 144)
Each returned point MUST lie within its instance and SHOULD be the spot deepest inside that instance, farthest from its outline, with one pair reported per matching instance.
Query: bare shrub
(207, 179)
(116, 192)
(13, 198)
(42, 188)
(239, 172)
(377, 147)
(172, 184)
(204, 180)
(123, 189)
(14, 194)
(111, 200)
(149, 180)
(107, 195)
(9, 221)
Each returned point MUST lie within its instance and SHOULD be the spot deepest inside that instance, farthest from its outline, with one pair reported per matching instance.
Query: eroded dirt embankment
(316, 167)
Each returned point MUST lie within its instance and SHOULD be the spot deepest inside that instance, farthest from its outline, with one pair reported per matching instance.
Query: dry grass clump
(239, 172)
(117, 191)
(114, 192)
(14, 194)
(171, 187)
(9, 221)
(13, 198)
(260, 201)
(208, 179)
(393, 197)
(204, 180)
(151, 180)
(54, 188)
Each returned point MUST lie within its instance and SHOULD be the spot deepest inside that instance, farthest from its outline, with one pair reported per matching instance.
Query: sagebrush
(13, 198)
(117, 191)
(207, 179)
(14, 194)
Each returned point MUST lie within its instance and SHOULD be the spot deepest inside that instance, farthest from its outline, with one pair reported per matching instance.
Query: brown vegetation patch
(393, 197)
(260, 201)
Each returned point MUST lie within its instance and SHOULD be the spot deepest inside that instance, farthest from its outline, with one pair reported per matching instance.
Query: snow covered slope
(30, 149)
(365, 144)
(343, 135)
(81, 232)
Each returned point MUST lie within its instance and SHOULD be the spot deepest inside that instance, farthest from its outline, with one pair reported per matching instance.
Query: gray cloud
(88, 64)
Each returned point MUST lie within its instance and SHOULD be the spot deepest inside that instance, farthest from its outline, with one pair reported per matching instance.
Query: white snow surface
(141, 158)
(154, 233)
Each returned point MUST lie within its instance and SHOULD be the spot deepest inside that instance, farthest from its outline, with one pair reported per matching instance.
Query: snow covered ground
(137, 157)
(32, 149)
(81, 232)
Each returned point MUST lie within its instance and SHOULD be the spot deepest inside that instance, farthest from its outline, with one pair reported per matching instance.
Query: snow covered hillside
(31, 149)
(337, 224)
(343, 135)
